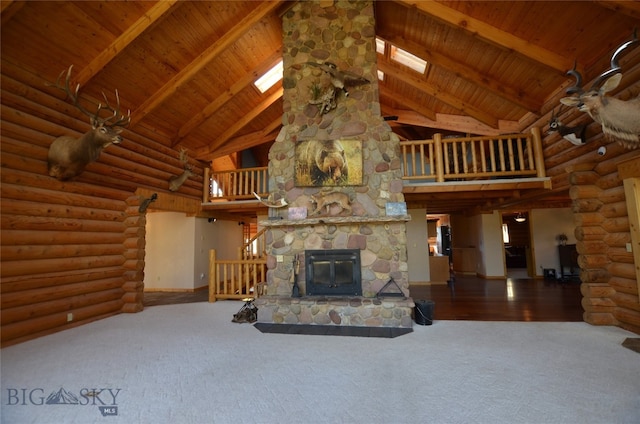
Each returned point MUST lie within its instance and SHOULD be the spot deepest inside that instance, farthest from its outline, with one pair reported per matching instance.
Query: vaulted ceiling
(186, 69)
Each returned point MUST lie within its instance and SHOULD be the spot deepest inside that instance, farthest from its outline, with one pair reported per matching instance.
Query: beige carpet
(189, 363)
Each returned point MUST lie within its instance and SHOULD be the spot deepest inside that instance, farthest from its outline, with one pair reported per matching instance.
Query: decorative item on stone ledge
(396, 208)
(297, 213)
(331, 204)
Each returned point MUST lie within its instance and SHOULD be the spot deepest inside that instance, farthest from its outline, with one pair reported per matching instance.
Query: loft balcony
(437, 171)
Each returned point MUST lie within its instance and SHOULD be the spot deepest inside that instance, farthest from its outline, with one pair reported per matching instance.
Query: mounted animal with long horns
(620, 119)
(68, 156)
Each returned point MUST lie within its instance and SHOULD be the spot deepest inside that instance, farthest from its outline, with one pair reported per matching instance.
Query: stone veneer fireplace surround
(343, 34)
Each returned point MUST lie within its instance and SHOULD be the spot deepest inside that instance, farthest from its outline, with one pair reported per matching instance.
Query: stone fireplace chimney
(328, 45)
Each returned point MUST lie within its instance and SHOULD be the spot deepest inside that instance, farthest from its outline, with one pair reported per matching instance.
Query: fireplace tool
(295, 291)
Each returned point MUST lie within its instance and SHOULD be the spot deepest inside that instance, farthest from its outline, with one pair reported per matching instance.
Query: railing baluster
(512, 161)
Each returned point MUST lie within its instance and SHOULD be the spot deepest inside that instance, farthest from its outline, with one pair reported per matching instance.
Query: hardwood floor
(469, 298)
(511, 299)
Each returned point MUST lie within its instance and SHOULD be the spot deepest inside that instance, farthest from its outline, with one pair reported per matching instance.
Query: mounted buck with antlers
(176, 181)
(68, 156)
(574, 135)
(620, 119)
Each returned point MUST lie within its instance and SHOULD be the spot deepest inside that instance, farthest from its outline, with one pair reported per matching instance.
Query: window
(269, 78)
(380, 46)
(505, 233)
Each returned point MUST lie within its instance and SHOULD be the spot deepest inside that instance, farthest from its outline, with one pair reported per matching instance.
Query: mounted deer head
(575, 135)
(68, 156)
(620, 119)
(176, 181)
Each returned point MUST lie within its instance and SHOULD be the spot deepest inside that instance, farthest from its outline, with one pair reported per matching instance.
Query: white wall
(418, 246)
(177, 249)
(169, 251)
(490, 245)
(546, 224)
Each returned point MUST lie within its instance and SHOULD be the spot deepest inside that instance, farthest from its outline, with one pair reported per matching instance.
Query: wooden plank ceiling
(186, 69)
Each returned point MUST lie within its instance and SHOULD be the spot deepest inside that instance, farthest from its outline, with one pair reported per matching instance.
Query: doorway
(517, 244)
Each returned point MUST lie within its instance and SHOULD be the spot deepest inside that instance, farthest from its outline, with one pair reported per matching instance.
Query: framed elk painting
(326, 163)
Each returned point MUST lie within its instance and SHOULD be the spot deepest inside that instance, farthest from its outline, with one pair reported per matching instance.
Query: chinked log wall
(75, 247)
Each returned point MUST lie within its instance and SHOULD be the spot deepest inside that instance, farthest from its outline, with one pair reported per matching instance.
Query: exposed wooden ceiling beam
(629, 8)
(422, 85)
(407, 103)
(8, 9)
(461, 70)
(495, 35)
(126, 38)
(239, 85)
(268, 134)
(206, 152)
(186, 73)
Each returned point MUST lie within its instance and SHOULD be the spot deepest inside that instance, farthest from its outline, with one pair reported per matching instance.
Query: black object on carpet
(632, 343)
(331, 330)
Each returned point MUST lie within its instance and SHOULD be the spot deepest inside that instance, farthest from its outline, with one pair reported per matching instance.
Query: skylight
(269, 78)
(407, 59)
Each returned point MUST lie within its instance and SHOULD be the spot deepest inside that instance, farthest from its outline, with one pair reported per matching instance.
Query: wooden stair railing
(247, 250)
(237, 279)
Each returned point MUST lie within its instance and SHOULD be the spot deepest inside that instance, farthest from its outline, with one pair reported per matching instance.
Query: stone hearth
(341, 34)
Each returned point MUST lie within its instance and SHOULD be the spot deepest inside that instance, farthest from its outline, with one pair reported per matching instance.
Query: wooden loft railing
(438, 160)
(239, 184)
(473, 158)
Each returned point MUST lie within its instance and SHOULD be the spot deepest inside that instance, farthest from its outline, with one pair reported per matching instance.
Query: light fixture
(520, 218)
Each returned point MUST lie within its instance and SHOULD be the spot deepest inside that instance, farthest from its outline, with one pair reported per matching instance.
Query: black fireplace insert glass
(334, 272)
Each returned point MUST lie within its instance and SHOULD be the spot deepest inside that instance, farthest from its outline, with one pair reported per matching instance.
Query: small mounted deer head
(620, 119)
(176, 181)
(68, 156)
(575, 135)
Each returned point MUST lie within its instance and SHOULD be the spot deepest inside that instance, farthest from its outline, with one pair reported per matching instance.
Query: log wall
(608, 272)
(73, 247)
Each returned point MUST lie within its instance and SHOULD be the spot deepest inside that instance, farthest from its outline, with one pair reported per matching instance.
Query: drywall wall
(418, 247)
(546, 224)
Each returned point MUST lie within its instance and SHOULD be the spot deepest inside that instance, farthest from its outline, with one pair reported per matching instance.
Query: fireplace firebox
(334, 272)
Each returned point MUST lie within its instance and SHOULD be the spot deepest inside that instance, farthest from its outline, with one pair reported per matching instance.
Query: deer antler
(122, 120)
(96, 120)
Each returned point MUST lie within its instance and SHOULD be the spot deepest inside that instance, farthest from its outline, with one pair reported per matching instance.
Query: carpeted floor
(189, 363)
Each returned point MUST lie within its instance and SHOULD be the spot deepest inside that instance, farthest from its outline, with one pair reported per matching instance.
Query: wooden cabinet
(439, 269)
(464, 260)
